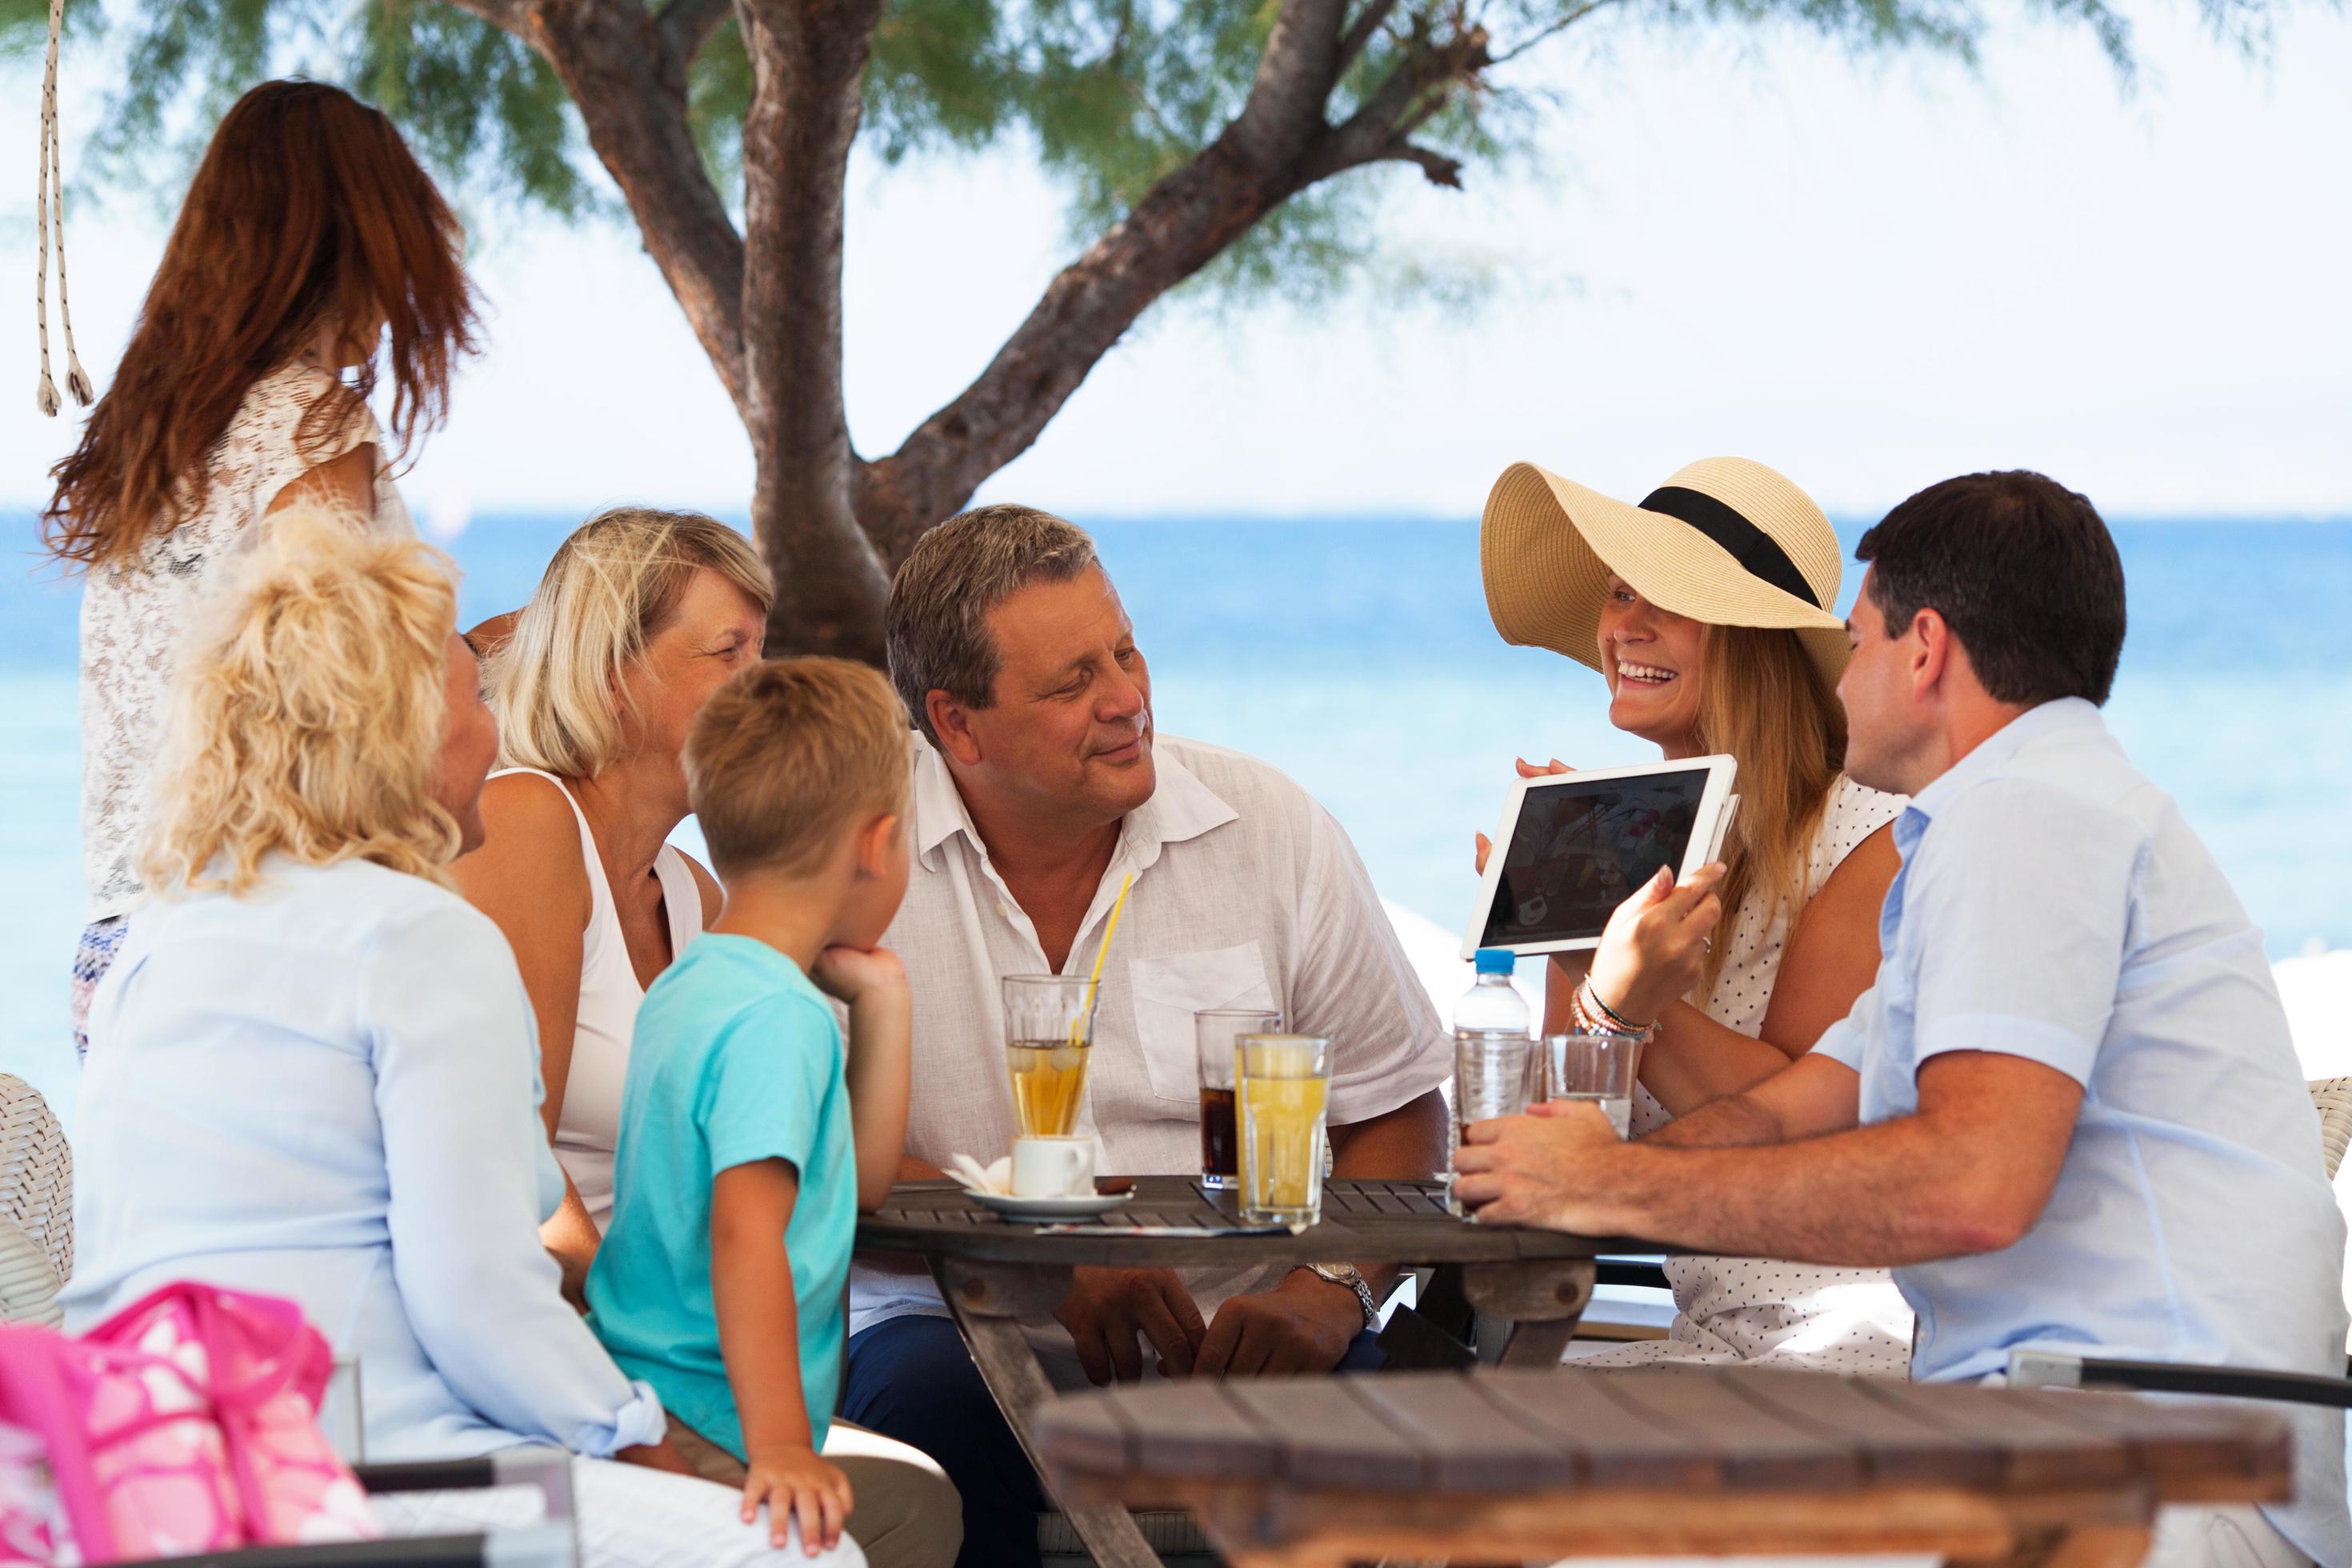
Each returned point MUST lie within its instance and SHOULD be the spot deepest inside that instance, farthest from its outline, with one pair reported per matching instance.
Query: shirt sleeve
(765, 1083)
(1354, 983)
(280, 454)
(1842, 1041)
(454, 1048)
(2017, 906)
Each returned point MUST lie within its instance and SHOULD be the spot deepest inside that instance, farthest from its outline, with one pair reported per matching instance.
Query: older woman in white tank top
(641, 616)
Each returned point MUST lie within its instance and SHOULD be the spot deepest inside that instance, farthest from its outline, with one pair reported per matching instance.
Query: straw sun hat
(1725, 540)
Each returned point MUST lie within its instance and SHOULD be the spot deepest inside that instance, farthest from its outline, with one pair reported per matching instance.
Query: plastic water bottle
(1492, 1046)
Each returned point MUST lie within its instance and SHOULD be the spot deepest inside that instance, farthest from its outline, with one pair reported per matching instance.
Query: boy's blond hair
(787, 755)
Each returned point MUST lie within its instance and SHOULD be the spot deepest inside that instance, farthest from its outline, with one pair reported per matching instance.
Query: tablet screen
(1579, 848)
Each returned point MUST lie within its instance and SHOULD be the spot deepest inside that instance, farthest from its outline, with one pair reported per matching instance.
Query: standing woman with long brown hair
(310, 247)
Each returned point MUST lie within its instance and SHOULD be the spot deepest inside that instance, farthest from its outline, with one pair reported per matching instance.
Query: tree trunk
(808, 59)
(767, 304)
(628, 79)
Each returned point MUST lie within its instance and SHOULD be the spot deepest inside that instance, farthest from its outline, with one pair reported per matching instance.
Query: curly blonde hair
(306, 712)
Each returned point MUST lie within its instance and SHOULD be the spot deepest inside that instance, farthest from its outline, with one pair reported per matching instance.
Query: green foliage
(476, 101)
(1110, 94)
(197, 56)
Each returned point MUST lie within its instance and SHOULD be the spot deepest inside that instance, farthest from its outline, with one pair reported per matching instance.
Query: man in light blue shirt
(2068, 1113)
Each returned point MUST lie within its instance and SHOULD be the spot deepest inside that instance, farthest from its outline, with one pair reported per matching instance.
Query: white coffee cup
(1052, 1167)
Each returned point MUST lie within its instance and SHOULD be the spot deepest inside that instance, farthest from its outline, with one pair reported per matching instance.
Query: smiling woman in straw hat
(1710, 611)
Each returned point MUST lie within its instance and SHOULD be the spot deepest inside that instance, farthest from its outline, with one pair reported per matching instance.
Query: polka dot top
(1731, 1310)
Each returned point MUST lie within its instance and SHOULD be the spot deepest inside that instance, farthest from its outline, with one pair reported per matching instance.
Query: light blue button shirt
(327, 1091)
(2052, 904)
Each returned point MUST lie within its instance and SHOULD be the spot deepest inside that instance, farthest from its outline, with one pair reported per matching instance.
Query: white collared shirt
(1247, 894)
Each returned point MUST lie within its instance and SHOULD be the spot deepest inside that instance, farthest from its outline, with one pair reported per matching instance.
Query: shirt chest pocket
(1169, 990)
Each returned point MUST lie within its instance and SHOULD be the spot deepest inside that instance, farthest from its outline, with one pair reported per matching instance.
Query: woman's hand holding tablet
(1655, 948)
(1528, 770)
(1576, 846)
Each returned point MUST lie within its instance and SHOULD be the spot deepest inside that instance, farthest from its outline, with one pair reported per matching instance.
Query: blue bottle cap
(1496, 961)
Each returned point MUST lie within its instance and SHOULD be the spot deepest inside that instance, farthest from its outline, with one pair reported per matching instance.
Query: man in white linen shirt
(1039, 786)
(2068, 1114)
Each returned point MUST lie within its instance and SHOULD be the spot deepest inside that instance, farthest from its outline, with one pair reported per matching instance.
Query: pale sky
(1868, 274)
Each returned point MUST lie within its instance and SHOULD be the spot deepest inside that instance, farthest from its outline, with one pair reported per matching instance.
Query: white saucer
(1084, 1207)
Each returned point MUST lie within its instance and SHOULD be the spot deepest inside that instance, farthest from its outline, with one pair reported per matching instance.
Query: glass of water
(1490, 1079)
(1596, 1067)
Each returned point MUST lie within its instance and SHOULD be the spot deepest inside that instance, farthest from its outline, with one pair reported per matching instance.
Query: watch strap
(1352, 1277)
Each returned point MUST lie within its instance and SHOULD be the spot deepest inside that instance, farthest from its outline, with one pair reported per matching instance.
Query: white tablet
(1573, 846)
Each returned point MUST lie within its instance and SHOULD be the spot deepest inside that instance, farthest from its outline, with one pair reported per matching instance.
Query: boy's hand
(852, 974)
(795, 1484)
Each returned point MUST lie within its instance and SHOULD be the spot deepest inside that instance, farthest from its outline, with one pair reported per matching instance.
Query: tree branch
(631, 92)
(1180, 226)
(1402, 103)
(1436, 167)
(686, 24)
(1296, 73)
(1559, 24)
(1359, 35)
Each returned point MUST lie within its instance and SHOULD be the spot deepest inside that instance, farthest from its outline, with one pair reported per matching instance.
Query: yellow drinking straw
(1086, 1014)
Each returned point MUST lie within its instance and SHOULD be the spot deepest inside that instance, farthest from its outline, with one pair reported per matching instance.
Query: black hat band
(1754, 549)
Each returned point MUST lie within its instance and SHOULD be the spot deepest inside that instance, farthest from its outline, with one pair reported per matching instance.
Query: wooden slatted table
(1517, 1466)
(995, 1275)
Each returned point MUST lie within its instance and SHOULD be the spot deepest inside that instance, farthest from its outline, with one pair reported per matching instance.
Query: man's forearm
(1696, 1061)
(1878, 1197)
(1736, 1121)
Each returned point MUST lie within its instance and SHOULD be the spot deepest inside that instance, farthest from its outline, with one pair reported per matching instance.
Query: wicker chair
(2332, 1095)
(35, 1205)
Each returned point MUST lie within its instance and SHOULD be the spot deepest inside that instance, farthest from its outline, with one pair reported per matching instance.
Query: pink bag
(186, 1422)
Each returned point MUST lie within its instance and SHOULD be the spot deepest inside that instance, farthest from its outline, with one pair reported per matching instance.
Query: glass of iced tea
(1216, 1031)
(1048, 1037)
(1284, 1082)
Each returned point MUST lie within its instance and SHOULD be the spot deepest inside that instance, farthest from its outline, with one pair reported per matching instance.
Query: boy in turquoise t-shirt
(749, 1137)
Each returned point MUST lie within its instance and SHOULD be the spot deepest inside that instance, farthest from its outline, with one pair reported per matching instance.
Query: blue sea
(1357, 654)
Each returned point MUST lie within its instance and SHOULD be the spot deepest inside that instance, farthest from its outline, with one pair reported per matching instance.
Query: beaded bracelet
(1599, 1017)
(1592, 995)
(1586, 1024)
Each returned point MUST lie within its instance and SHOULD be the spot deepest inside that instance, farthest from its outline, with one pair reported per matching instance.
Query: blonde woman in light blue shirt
(320, 1082)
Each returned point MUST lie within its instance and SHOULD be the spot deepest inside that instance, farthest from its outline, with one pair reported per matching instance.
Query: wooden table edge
(1255, 1524)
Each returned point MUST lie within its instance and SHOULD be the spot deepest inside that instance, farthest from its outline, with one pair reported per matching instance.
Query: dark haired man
(2068, 1112)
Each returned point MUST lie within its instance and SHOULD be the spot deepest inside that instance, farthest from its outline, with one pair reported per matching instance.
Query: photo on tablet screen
(1579, 848)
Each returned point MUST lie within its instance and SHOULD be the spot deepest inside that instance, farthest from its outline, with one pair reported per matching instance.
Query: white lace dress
(1735, 1309)
(133, 615)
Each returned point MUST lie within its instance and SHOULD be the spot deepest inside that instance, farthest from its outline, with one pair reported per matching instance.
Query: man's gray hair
(937, 625)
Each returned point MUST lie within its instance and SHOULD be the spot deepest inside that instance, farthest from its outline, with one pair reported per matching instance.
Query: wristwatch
(1347, 1274)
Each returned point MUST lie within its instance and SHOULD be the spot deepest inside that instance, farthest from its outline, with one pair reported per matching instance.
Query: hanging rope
(52, 200)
